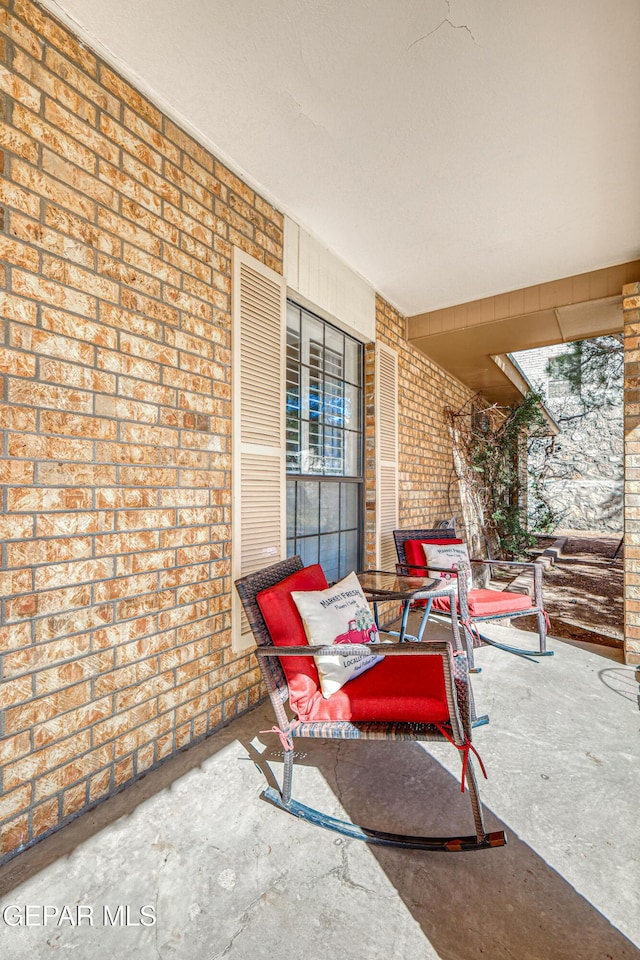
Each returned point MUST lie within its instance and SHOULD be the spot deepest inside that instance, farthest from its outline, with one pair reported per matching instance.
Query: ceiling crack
(445, 21)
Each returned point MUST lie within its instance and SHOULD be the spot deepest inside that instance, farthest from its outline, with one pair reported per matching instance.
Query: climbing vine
(490, 453)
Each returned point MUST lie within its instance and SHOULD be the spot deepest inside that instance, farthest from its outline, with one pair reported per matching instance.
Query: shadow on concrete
(62, 843)
(501, 904)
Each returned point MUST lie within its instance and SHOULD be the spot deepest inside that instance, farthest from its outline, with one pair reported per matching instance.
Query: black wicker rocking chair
(478, 606)
(456, 728)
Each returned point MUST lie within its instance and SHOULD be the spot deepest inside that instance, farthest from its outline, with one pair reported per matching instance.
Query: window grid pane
(324, 439)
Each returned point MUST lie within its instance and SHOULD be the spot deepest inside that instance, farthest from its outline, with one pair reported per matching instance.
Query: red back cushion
(286, 629)
(415, 554)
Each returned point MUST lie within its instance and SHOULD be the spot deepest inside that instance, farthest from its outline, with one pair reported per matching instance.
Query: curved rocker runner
(416, 692)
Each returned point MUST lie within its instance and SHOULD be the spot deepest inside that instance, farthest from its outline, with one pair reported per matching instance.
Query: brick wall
(428, 490)
(114, 471)
(631, 313)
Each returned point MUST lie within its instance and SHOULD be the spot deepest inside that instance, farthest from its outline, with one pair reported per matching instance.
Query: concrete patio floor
(227, 875)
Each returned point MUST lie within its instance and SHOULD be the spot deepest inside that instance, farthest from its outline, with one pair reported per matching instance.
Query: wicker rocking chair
(476, 606)
(425, 697)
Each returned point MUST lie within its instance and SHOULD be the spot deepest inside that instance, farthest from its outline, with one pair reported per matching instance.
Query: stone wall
(584, 472)
(631, 312)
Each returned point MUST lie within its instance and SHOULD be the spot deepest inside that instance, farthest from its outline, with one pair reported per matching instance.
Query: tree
(594, 371)
(489, 450)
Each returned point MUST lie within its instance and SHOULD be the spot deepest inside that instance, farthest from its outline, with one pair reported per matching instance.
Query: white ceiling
(446, 150)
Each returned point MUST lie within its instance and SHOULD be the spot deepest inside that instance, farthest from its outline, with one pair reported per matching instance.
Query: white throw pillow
(339, 614)
(448, 556)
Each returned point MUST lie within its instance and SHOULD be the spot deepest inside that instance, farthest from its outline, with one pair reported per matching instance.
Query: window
(323, 444)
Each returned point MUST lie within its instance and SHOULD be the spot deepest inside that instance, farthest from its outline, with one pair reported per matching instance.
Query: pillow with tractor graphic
(340, 614)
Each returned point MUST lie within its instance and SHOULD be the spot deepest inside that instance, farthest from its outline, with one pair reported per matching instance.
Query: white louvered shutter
(386, 400)
(259, 499)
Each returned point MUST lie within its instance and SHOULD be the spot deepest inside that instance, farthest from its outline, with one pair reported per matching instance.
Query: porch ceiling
(447, 150)
(470, 340)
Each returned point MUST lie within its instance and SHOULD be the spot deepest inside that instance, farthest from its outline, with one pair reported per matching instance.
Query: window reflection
(324, 440)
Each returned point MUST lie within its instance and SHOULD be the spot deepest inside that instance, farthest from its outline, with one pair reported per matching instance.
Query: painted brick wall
(115, 413)
(428, 490)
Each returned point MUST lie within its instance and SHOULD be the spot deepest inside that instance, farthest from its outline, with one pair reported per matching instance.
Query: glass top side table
(380, 586)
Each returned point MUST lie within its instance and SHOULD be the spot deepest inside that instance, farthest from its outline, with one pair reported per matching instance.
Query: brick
(13, 802)
(16, 472)
(81, 131)
(74, 800)
(123, 632)
(55, 34)
(29, 500)
(143, 389)
(23, 36)
(150, 179)
(75, 276)
(134, 716)
(53, 345)
(51, 189)
(27, 660)
(142, 690)
(28, 552)
(125, 453)
(187, 224)
(123, 771)
(59, 726)
(71, 674)
(202, 194)
(15, 636)
(125, 586)
(14, 196)
(188, 264)
(131, 322)
(73, 226)
(19, 90)
(53, 85)
(53, 293)
(141, 304)
(146, 647)
(126, 273)
(190, 146)
(54, 704)
(19, 143)
(51, 240)
(14, 834)
(58, 142)
(16, 581)
(16, 362)
(142, 606)
(124, 409)
(15, 308)
(56, 780)
(60, 574)
(99, 785)
(77, 425)
(122, 497)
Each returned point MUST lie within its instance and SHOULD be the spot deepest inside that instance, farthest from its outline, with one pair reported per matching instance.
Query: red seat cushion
(489, 603)
(400, 689)
(286, 628)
